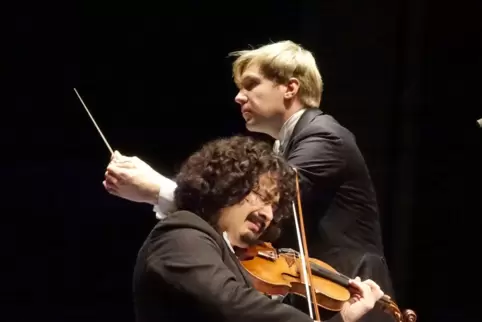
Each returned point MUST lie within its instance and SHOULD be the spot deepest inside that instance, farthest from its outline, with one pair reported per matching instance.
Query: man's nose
(240, 98)
(267, 213)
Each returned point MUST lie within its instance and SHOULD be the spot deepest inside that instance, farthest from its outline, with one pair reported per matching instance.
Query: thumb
(117, 156)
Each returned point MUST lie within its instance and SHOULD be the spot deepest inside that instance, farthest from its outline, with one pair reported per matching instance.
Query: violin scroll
(409, 316)
(391, 308)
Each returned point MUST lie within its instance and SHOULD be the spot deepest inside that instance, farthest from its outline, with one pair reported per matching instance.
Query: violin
(279, 272)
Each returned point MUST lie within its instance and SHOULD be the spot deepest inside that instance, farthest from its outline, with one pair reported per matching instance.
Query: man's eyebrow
(249, 77)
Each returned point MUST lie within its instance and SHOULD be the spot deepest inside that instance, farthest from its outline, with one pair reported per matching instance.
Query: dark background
(403, 76)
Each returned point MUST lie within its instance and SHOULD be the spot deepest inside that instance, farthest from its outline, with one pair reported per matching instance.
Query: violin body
(280, 273)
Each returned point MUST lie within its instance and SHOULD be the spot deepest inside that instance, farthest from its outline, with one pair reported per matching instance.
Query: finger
(107, 186)
(111, 181)
(355, 283)
(118, 172)
(114, 193)
(110, 185)
(357, 287)
(118, 155)
(354, 298)
(378, 294)
(371, 284)
(367, 288)
(110, 189)
(111, 163)
(355, 280)
(123, 164)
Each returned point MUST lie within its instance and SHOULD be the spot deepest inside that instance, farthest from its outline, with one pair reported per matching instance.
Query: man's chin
(250, 125)
(250, 238)
(255, 127)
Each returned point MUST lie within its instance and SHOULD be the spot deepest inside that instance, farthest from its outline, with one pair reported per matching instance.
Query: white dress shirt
(226, 239)
(286, 131)
(166, 193)
(165, 200)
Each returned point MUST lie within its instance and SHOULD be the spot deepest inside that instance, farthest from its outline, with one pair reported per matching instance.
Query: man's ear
(292, 88)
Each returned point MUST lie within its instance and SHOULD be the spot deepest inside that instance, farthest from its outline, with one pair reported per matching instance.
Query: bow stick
(304, 254)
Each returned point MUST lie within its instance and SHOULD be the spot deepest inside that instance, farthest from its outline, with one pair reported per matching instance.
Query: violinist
(229, 194)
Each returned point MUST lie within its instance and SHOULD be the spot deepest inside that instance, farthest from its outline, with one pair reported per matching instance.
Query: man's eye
(249, 85)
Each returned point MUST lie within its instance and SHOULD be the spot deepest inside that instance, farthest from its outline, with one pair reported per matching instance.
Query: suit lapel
(304, 120)
(242, 270)
(227, 254)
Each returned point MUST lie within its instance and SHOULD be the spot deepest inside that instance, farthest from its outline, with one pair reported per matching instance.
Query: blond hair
(281, 61)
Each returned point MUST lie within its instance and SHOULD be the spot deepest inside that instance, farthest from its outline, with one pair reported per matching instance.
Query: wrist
(153, 198)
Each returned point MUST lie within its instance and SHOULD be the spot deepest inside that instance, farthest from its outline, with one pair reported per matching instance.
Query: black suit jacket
(338, 199)
(185, 271)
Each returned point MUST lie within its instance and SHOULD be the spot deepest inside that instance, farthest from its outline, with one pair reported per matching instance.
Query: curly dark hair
(224, 171)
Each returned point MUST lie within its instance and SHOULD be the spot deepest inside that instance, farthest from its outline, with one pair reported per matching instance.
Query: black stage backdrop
(404, 76)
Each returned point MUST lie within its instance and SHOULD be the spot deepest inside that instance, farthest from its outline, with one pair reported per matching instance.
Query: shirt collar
(287, 129)
(226, 239)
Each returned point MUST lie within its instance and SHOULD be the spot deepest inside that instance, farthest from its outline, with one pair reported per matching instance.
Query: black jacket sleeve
(191, 261)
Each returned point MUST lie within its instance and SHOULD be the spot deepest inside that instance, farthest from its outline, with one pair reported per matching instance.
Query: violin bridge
(289, 255)
(287, 251)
